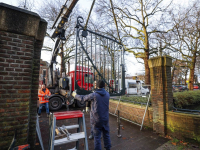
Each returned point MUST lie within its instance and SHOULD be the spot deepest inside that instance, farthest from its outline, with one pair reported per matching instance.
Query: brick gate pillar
(21, 38)
(161, 91)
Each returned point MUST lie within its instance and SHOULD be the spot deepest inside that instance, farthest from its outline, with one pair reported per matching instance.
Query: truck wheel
(79, 104)
(55, 103)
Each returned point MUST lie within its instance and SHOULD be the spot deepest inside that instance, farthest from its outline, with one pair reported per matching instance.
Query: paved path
(132, 137)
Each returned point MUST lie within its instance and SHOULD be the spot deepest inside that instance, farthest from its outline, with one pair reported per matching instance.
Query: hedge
(182, 99)
(133, 99)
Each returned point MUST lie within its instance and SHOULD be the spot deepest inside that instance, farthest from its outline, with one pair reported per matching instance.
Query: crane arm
(58, 31)
(62, 17)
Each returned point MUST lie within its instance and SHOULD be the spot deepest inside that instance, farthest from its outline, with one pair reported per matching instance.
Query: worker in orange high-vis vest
(43, 95)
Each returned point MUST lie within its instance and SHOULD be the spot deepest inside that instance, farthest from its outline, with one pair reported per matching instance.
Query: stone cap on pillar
(21, 21)
(160, 61)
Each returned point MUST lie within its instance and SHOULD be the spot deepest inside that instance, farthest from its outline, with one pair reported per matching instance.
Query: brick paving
(132, 138)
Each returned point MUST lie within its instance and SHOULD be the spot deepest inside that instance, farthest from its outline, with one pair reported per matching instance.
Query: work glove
(46, 97)
(87, 110)
(73, 93)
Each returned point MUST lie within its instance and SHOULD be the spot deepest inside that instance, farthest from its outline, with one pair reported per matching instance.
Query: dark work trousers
(91, 130)
(97, 129)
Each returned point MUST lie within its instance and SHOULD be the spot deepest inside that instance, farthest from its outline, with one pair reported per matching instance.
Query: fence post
(118, 124)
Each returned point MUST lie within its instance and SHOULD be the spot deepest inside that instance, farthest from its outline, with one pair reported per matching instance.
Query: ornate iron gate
(101, 57)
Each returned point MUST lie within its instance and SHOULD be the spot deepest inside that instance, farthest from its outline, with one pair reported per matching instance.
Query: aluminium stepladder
(70, 137)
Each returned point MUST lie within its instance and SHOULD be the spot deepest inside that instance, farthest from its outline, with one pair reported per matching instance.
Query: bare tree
(138, 21)
(187, 31)
(26, 4)
(49, 10)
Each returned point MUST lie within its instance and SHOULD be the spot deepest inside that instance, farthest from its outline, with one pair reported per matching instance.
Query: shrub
(186, 98)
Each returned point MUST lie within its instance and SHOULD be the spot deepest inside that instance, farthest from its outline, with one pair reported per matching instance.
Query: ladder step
(73, 138)
(70, 127)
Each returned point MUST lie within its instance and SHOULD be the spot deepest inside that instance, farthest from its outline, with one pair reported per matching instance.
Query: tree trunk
(172, 75)
(186, 72)
(146, 57)
(147, 70)
(191, 78)
(113, 66)
(173, 69)
(68, 66)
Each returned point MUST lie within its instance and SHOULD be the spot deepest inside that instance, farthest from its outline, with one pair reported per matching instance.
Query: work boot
(91, 137)
(39, 115)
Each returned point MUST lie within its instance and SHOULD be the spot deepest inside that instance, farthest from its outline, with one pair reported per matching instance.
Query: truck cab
(84, 78)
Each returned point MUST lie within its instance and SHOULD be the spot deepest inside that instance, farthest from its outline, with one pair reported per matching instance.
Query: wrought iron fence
(101, 57)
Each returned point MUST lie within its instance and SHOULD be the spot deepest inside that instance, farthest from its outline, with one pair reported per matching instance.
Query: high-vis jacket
(41, 96)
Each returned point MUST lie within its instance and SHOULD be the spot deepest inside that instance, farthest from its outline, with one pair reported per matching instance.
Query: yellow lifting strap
(115, 20)
(113, 16)
(89, 14)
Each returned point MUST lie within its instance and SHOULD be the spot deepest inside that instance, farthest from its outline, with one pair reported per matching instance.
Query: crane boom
(58, 31)
(62, 17)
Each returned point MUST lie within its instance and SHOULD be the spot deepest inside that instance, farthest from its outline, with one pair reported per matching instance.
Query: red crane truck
(64, 86)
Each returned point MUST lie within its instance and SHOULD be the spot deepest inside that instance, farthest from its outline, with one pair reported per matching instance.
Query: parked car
(173, 88)
(180, 88)
(185, 87)
(195, 87)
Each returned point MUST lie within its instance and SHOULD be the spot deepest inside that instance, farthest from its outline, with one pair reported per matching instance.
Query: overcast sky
(135, 67)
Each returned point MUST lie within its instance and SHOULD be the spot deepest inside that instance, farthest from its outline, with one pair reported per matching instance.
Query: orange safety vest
(41, 95)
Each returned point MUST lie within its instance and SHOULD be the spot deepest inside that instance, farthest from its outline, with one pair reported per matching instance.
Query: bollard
(118, 124)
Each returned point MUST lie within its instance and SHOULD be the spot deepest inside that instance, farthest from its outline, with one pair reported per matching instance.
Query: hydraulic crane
(104, 60)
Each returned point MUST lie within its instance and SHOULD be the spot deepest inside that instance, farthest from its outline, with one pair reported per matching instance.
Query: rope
(89, 14)
(115, 20)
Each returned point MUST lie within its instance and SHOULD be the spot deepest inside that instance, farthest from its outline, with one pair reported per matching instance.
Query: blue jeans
(46, 106)
(97, 129)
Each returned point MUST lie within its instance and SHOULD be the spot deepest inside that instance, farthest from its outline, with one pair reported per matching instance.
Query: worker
(99, 114)
(43, 95)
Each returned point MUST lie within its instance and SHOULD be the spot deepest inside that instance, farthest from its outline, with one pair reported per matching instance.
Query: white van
(134, 87)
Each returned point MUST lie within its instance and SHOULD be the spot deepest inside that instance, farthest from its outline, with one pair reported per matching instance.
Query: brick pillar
(161, 91)
(21, 38)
